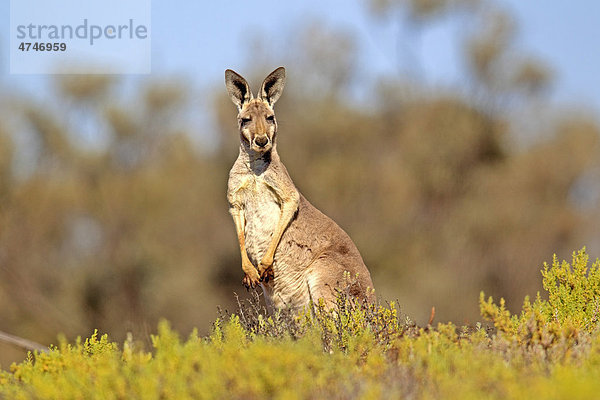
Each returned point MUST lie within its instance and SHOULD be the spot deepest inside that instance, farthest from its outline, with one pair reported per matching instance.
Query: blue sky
(199, 40)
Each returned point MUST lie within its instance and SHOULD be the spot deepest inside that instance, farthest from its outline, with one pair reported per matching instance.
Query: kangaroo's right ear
(238, 88)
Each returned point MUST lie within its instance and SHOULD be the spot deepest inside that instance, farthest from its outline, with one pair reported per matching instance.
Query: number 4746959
(42, 46)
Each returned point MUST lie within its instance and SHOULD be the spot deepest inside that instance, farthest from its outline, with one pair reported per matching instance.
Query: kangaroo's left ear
(273, 86)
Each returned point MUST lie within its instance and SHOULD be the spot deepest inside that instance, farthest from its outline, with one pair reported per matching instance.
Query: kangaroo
(296, 253)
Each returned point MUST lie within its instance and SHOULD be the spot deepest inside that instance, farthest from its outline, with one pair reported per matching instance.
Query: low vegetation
(551, 349)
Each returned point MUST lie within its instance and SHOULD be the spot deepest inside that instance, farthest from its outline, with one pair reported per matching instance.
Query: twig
(22, 343)
(431, 316)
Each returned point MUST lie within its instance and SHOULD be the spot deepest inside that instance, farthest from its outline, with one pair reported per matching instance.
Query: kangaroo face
(256, 117)
(257, 125)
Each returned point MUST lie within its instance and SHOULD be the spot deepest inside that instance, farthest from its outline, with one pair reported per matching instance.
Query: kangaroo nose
(261, 141)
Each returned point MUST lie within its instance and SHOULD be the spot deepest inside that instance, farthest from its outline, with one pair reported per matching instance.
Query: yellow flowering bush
(551, 350)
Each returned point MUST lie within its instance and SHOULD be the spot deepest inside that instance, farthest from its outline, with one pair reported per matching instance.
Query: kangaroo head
(256, 118)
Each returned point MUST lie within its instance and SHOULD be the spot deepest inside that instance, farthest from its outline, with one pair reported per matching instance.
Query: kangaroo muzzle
(261, 144)
(261, 141)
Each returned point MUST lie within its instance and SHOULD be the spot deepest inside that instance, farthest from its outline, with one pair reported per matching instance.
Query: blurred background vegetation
(446, 192)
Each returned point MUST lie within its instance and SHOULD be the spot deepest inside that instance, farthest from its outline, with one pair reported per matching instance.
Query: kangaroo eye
(271, 118)
(245, 121)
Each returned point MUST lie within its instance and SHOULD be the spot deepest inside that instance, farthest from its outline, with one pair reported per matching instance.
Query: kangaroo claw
(251, 281)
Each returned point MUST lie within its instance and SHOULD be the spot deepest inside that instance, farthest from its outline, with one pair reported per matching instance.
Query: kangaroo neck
(257, 162)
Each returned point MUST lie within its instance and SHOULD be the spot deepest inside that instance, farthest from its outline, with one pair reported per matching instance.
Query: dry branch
(22, 343)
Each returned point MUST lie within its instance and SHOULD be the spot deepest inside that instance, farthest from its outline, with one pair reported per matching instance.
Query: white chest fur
(261, 208)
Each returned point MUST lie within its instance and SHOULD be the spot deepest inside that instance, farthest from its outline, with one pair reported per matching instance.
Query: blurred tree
(496, 66)
(411, 18)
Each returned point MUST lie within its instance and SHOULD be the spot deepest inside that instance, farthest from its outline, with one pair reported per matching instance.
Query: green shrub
(355, 351)
(572, 308)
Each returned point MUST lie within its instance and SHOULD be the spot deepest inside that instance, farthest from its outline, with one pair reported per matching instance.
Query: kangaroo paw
(251, 281)
(267, 274)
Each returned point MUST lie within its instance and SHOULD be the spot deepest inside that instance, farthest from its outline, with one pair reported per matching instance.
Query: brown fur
(295, 252)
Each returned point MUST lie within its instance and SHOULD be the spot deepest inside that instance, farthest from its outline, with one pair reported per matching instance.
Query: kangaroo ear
(273, 86)
(238, 88)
